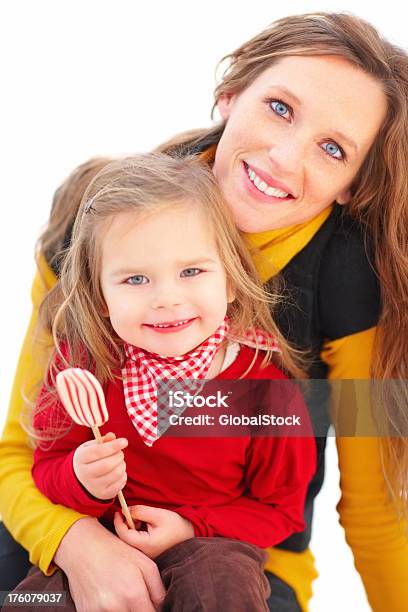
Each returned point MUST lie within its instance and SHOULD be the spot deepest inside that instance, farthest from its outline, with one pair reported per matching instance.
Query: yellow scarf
(273, 250)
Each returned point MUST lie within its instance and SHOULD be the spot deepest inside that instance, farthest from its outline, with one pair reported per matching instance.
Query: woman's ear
(224, 105)
(344, 197)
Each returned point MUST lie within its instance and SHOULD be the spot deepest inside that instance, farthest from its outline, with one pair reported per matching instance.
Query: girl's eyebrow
(196, 262)
(123, 272)
(144, 267)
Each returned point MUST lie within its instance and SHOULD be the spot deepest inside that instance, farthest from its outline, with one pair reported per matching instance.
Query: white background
(83, 78)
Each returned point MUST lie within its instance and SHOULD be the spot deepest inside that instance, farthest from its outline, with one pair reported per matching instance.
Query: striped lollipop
(83, 398)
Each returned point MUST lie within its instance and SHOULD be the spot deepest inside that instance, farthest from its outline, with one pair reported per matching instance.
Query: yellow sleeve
(378, 541)
(297, 569)
(36, 523)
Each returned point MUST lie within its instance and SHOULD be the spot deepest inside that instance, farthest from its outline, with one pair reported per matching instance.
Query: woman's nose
(288, 156)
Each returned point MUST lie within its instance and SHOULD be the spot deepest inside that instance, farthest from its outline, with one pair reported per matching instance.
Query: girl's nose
(167, 297)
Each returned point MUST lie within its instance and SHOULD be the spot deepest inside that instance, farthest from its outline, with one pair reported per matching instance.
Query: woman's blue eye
(333, 150)
(138, 279)
(280, 108)
(191, 272)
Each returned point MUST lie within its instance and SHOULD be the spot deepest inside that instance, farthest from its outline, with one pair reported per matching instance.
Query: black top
(330, 291)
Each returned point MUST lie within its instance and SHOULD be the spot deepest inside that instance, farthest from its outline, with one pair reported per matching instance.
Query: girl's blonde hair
(379, 191)
(75, 311)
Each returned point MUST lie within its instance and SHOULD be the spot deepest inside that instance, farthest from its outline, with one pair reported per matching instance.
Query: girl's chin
(171, 344)
(170, 350)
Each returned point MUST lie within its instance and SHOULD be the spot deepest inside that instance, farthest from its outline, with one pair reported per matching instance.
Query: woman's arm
(369, 518)
(54, 534)
(31, 518)
(108, 574)
(349, 307)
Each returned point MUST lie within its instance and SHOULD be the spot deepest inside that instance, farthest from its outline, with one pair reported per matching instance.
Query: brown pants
(200, 575)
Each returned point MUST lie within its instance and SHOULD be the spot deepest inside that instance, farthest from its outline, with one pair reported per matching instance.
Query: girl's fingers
(92, 451)
(121, 518)
(149, 514)
(105, 468)
(109, 437)
(112, 476)
(117, 484)
(130, 536)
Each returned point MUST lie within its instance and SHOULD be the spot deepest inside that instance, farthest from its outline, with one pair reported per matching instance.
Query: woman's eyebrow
(288, 93)
(346, 139)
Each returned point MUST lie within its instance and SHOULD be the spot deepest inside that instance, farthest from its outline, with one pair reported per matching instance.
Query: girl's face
(163, 280)
(295, 139)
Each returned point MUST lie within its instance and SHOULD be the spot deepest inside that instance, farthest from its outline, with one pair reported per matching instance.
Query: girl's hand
(164, 529)
(101, 468)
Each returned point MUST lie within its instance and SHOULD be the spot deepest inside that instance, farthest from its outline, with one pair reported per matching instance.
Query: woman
(314, 123)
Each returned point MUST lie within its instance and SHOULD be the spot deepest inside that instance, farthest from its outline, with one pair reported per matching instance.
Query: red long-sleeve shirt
(247, 488)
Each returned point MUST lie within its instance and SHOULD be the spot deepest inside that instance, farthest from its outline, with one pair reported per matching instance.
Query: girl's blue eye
(280, 108)
(138, 279)
(333, 150)
(190, 272)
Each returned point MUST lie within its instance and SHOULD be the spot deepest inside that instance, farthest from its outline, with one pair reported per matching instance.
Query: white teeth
(275, 192)
(264, 187)
(172, 324)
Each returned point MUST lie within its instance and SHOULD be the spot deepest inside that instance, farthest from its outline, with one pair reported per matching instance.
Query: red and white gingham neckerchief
(142, 370)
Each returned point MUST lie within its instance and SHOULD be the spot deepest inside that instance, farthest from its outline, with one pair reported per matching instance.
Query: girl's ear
(224, 105)
(231, 295)
(104, 312)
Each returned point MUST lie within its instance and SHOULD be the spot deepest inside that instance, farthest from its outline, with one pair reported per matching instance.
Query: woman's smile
(263, 186)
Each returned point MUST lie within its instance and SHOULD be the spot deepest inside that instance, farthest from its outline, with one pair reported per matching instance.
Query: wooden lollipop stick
(121, 498)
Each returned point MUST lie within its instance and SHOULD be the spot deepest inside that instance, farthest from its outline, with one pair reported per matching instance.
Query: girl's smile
(170, 327)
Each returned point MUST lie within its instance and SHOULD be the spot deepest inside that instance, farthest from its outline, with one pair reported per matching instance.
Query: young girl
(156, 284)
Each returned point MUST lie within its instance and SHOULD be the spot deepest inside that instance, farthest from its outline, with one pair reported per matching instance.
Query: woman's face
(295, 139)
